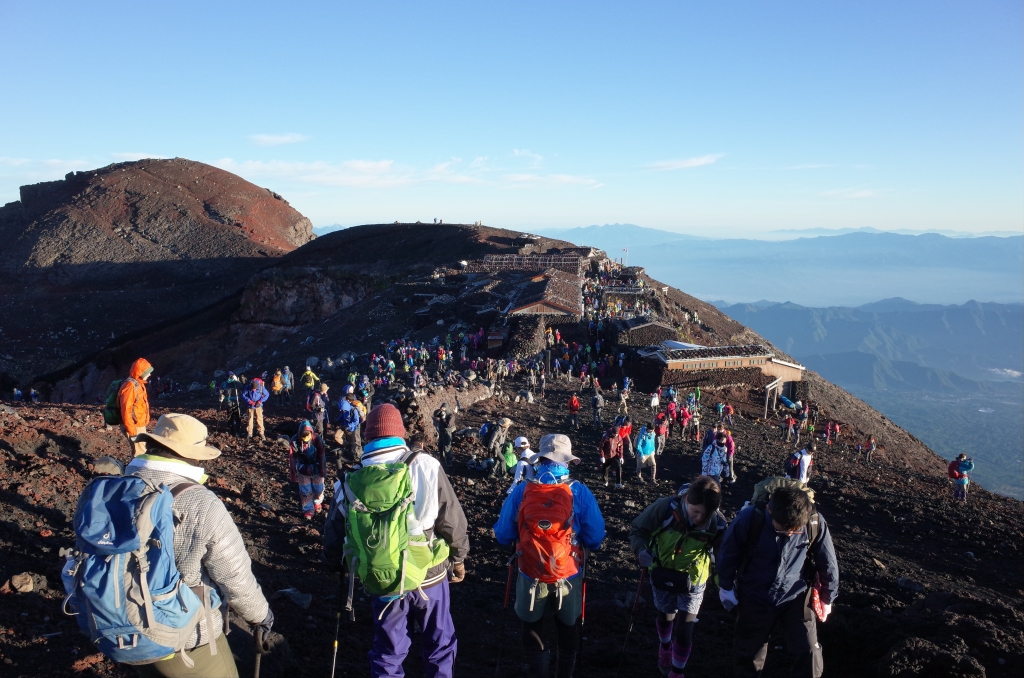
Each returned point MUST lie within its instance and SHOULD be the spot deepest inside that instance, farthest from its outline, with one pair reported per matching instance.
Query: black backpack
(757, 526)
(791, 467)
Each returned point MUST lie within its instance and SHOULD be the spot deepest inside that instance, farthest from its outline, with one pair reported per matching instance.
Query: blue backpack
(122, 581)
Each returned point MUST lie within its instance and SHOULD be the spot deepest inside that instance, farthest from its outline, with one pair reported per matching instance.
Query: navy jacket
(775, 574)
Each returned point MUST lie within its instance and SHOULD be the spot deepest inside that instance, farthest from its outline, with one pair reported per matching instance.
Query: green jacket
(653, 530)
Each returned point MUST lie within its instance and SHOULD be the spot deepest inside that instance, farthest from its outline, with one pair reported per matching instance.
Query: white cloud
(277, 139)
(1006, 372)
(536, 158)
(700, 161)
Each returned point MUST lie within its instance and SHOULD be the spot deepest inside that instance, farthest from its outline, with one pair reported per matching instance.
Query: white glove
(622, 460)
(602, 460)
(728, 599)
(826, 610)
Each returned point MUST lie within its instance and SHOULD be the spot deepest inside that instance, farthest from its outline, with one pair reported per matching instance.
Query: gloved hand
(622, 460)
(602, 460)
(267, 623)
(728, 599)
(826, 610)
(646, 558)
(458, 573)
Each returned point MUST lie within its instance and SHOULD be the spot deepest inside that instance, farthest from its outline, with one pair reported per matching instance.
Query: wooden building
(643, 331)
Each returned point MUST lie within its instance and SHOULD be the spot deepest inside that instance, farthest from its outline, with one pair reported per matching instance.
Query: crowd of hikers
(395, 526)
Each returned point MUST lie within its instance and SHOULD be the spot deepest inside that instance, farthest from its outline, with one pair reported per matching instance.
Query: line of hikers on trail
(397, 529)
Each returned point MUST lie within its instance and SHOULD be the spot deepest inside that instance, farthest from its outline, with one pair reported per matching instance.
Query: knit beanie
(384, 421)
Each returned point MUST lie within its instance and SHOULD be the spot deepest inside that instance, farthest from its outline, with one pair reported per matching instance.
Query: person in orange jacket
(133, 401)
(574, 412)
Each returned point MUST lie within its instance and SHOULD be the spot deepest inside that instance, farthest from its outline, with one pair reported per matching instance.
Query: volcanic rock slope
(929, 588)
(113, 252)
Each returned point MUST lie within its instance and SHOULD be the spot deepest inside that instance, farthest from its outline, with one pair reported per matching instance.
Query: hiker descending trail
(307, 466)
(777, 567)
(959, 470)
(405, 496)
(673, 538)
(132, 406)
(553, 520)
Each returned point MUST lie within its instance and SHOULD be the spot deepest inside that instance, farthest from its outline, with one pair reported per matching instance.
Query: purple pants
(392, 630)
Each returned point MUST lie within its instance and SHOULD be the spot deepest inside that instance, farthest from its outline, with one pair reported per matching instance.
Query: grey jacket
(208, 549)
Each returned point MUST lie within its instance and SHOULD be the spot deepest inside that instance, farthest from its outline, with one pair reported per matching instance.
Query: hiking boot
(665, 658)
(309, 515)
(640, 479)
(317, 508)
(675, 673)
(618, 486)
(606, 483)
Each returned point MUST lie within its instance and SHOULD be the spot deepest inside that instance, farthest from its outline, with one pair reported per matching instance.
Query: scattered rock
(909, 585)
(22, 583)
(878, 563)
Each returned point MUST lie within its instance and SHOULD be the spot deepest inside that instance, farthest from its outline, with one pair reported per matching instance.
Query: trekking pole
(504, 615)
(261, 649)
(337, 628)
(632, 613)
(583, 615)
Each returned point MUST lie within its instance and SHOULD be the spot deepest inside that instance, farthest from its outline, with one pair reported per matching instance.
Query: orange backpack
(545, 533)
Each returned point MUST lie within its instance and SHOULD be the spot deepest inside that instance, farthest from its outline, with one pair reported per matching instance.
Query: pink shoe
(317, 507)
(665, 659)
(309, 515)
(675, 674)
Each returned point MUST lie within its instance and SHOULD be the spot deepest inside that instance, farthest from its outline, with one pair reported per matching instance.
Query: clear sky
(710, 118)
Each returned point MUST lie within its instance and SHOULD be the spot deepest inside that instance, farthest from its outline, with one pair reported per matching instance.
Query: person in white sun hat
(523, 470)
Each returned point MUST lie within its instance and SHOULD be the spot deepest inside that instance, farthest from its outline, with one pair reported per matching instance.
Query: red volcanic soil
(114, 251)
(959, 615)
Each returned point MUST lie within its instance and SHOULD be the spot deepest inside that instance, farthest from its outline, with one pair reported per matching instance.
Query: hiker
(317, 404)
(869, 449)
(596, 403)
(626, 434)
(645, 456)
(523, 470)
(308, 379)
(255, 395)
(727, 412)
(655, 402)
(623, 402)
(444, 422)
(660, 433)
(17, 395)
(277, 387)
(611, 454)
(287, 383)
(214, 566)
(133, 404)
(763, 571)
(233, 403)
(798, 464)
(673, 539)
(307, 466)
(551, 562)
(434, 520)
(788, 425)
(574, 412)
(495, 442)
(959, 469)
(714, 462)
(349, 419)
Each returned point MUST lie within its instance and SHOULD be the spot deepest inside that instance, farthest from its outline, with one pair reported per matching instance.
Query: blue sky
(708, 118)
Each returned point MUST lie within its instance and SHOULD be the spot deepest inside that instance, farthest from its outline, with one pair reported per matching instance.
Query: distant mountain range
(849, 269)
(897, 344)
(951, 375)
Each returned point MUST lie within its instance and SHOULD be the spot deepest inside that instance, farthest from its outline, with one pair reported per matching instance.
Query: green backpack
(678, 548)
(111, 408)
(508, 453)
(378, 502)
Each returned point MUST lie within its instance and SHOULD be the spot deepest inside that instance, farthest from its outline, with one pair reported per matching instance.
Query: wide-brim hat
(504, 422)
(556, 447)
(183, 435)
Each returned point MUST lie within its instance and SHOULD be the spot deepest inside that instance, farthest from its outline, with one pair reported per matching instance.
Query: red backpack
(953, 470)
(545, 532)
